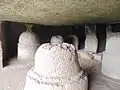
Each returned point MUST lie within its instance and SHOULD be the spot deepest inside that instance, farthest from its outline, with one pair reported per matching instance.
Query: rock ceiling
(57, 12)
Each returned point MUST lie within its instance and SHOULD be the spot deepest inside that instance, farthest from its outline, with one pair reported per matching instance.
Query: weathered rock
(91, 42)
(27, 46)
(74, 40)
(57, 39)
(85, 55)
(57, 12)
(56, 68)
(111, 58)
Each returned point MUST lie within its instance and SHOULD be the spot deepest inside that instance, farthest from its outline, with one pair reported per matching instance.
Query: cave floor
(13, 76)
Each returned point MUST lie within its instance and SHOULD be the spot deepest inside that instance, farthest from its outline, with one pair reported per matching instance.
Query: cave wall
(11, 31)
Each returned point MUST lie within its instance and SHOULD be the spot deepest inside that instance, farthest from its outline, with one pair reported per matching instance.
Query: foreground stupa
(56, 68)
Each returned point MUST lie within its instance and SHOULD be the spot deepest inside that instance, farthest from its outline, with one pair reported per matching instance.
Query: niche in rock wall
(11, 30)
(115, 27)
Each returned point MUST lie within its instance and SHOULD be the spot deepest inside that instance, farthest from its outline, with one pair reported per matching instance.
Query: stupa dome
(28, 38)
(27, 46)
(111, 58)
(56, 60)
(113, 44)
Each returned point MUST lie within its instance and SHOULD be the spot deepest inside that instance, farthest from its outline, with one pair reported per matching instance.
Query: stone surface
(85, 55)
(74, 40)
(57, 12)
(56, 68)
(91, 43)
(112, 46)
(98, 56)
(111, 58)
(27, 46)
(56, 39)
(57, 60)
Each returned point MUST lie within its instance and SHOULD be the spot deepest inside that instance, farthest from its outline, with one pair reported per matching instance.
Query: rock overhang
(60, 12)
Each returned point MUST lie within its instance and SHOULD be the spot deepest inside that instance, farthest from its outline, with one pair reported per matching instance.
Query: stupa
(28, 44)
(111, 58)
(56, 68)
(57, 39)
(91, 42)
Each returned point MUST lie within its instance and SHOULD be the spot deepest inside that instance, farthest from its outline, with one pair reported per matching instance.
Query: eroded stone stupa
(56, 68)
(111, 58)
(27, 46)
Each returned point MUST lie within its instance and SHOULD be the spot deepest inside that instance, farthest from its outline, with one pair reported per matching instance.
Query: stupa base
(36, 82)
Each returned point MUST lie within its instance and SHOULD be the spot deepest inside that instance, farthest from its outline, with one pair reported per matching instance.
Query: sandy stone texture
(27, 46)
(57, 12)
(111, 58)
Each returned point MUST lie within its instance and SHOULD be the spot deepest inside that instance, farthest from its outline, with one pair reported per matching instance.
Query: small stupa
(56, 68)
(111, 58)
(91, 40)
(28, 44)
